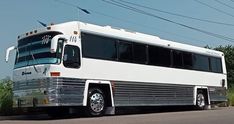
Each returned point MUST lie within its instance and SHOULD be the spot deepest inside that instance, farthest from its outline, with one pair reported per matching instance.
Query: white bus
(75, 64)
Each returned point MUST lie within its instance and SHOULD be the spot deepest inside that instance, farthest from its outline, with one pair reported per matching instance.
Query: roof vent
(107, 26)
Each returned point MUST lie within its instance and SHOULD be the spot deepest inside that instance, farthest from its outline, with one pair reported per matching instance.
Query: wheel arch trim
(196, 88)
(98, 82)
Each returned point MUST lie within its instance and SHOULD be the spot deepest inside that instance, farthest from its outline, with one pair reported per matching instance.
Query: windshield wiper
(30, 52)
(17, 56)
(34, 66)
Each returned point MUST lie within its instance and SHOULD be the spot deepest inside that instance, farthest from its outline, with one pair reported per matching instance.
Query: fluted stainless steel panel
(59, 91)
(218, 94)
(67, 91)
(143, 94)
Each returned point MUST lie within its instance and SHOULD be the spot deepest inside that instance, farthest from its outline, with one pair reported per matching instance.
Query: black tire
(96, 103)
(201, 101)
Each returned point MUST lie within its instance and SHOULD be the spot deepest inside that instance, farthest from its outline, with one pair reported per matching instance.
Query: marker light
(54, 74)
(75, 32)
(113, 86)
(45, 101)
(48, 28)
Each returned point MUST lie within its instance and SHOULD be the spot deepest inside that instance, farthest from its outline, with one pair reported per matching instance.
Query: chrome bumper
(49, 92)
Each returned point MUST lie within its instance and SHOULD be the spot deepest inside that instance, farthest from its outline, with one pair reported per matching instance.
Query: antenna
(43, 24)
(84, 10)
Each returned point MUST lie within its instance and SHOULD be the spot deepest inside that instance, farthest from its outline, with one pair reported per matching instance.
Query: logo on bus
(46, 39)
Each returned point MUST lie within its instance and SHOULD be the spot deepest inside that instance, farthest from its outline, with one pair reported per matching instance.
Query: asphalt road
(215, 116)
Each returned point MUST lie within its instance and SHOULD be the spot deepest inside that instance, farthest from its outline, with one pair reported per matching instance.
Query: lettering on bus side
(26, 73)
(73, 39)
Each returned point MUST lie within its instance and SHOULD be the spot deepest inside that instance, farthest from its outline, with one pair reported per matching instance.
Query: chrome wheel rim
(97, 102)
(200, 100)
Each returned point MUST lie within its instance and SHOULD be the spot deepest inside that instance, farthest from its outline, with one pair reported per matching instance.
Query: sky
(20, 16)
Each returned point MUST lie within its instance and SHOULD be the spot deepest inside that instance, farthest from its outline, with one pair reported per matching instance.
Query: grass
(231, 96)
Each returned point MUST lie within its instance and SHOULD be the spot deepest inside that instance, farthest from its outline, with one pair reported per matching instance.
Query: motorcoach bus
(76, 64)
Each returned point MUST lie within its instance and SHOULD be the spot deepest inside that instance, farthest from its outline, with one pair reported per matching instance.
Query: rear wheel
(95, 102)
(201, 101)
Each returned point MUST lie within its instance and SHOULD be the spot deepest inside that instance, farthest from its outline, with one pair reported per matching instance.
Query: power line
(130, 22)
(144, 26)
(216, 9)
(176, 14)
(119, 4)
(224, 4)
(127, 21)
(70, 4)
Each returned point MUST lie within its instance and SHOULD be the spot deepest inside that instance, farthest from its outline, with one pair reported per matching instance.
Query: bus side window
(216, 65)
(177, 59)
(71, 58)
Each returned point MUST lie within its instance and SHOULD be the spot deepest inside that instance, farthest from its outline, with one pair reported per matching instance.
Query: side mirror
(54, 42)
(8, 52)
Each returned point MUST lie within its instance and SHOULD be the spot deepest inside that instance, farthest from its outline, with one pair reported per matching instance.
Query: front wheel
(95, 102)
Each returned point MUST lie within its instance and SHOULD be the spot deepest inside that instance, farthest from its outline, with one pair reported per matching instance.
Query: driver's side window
(71, 58)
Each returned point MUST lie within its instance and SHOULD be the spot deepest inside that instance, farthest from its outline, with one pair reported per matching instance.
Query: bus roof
(124, 34)
(133, 36)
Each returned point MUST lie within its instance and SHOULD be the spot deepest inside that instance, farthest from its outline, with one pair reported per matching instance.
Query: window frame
(79, 56)
(200, 69)
(30, 42)
(99, 57)
(158, 50)
(219, 67)
(173, 59)
(183, 54)
(122, 42)
(145, 53)
(189, 67)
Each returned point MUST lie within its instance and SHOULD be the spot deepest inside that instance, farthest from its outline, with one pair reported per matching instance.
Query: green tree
(229, 58)
(6, 96)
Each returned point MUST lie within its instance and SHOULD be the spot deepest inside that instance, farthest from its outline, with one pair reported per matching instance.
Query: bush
(231, 97)
(6, 96)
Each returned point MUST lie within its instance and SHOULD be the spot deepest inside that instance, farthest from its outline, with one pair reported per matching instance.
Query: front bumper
(49, 92)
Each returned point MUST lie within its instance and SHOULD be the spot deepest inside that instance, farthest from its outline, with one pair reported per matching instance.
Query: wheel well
(106, 91)
(205, 93)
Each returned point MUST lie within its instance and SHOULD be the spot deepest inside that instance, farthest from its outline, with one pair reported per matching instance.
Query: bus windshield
(35, 50)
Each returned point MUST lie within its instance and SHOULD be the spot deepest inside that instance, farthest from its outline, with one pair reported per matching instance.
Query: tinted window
(71, 58)
(98, 47)
(187, 60)
(139, 53)
(125, 51)
(200, 62)
(159, 56)
(34, 50)
(177, 59)
(216, 65)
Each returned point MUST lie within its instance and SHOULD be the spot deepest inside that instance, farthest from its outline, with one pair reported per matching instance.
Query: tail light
(223, 82)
